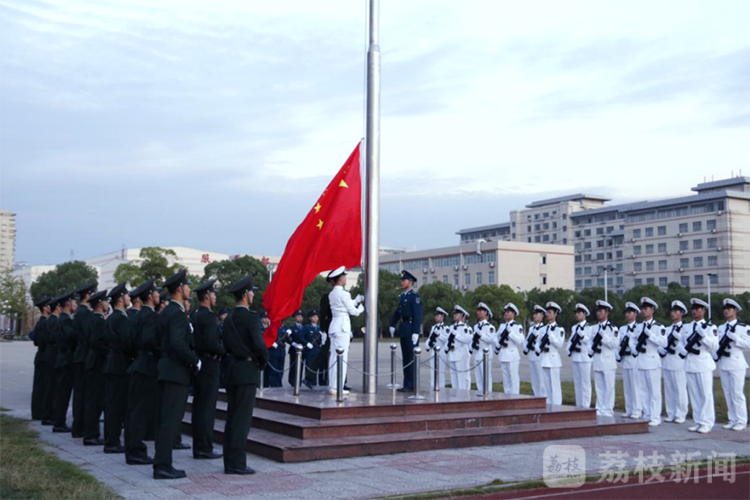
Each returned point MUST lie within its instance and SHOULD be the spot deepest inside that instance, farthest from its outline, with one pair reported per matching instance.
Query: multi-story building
(522, 266)
(7, 240)
(544, 221)
(697, 241)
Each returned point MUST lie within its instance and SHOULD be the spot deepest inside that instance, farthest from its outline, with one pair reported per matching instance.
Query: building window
(545, 237)
(650, 281)
(445, 279)
(599, 231)
(578, 234)
(434, 279)
(698, 262)
(619, 280)
(528, 239)
(714, 278)
(663, 281)
(600, 282)
(610, 229)
(684, 245)
(636, 233)
(649, 232)
(587, 258)
(545, 226)
(455, 280)
(545, 214)
(698, 279)
(537, 227)
(662, 247)
(578, 258)
(586, 244)
(554, 237)
(711, 225)
(579, 284)
(600, 256)
(544, 279)
(588, 283)
(662, 230)
(579, 271)
(528, 229)
(697, 244)
(685, 280)
(565, 216)
(536, 216)
(537, 239)
(479, 278)
(697, 226)
(713, 261)
(587, 270)
(600, 244)
(649, 248)
(637, 250)
(662, 265)
(491, 277)
(544, 259)
(587, 232)
(684, 263)
(683, 228)
(650, 265)
(618, 254)
(467, 279)
(638, 282)
(637, 266)
(711, 243)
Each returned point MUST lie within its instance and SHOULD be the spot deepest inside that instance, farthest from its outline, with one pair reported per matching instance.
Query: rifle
(596, 344)
(692, 341)
(475, 339)
(724, 345)
(530, 341)
(432, 340)
(575, 343)
(503, 340)
(451, 340)
(671, 343)
(544, 343)
(624, 346)
(641, 345)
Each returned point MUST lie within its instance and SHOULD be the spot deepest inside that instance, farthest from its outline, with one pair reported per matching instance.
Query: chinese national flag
(329, 237)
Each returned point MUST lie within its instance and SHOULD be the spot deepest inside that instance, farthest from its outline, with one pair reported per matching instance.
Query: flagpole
(372, 226)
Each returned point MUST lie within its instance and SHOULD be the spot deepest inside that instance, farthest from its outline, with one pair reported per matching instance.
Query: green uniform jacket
(51, 350)
(40, 340)
(66, 341)
(98, 347)
(147, 343)
(243, 337)
(208, 345)
(81, 327)
(117, 334)
(177, 346)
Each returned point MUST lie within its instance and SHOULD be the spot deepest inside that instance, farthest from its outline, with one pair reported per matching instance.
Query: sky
(216, 125)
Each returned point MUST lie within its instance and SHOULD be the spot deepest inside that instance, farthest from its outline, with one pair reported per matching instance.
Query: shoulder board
(742, 325)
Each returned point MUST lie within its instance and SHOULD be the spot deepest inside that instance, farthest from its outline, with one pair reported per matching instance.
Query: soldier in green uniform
(143, 391)
(66, 344)
(210, 350)
(178, 359)
(50, 359)
(243, 339)
(81, 325)
(40, 363)
(115, 369)
(96, 356)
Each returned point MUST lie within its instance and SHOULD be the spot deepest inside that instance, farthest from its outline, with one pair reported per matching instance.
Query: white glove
(275, 345)
(359, 299)
(414, 338)
(392, 330)
(309, 345)
(198, 366)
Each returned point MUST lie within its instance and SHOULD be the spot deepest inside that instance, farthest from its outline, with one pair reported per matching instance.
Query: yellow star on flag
(318, 207)
(320, 224)
(343, 184)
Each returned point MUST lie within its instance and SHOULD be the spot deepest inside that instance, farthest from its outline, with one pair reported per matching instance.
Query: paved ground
(367, 477)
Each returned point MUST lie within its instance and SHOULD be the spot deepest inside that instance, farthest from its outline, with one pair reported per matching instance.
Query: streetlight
(709, 294)
(610, 268)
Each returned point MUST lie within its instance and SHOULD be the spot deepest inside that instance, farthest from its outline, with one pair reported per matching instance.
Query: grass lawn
(29, 472)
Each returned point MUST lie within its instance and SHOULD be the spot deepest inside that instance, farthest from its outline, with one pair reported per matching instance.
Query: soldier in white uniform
(602, 348)
(340, 331)
(548, 347)
(438, 339)
(649, 336)
(459, 340)
(733, 339)
(577, 349)
(509, 341)
(698, 349)
(673, 366)
(484, 336)
(529, 349)
(625, 357)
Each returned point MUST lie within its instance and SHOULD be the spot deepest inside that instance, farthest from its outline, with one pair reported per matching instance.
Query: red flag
(329, 237)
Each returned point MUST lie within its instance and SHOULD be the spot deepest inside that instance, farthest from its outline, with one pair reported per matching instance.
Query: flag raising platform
(313, 426)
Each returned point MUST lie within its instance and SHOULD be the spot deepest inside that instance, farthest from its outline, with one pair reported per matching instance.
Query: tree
(389, 290)
(589, 296)
(63, 278)
(566, 299)
(434, 295)
(496, 297)
(227, 272)
(13, 303)
(154, 264)
(652, 291)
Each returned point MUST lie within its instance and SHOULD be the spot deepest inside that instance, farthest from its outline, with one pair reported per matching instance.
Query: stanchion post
(298, 371)
(436, 373)
(393, 384)
(340, 374)
(486, 371)
(262, 382)
(417, 353)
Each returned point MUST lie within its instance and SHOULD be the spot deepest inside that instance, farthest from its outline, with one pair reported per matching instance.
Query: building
(697, 241)
(522, 266)
(545, 221)
(7, 240)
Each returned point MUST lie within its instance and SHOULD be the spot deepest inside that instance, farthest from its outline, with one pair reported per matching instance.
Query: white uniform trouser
(537, 378)
(459, 367)
(511, 381)
(582, 382)
(733, 383)
(479, 370)
(649, 392)
(442, 365)
(605, 392)
(701, 391)
(630, 387)
(552, 385)
(338, 339)
(675, 394)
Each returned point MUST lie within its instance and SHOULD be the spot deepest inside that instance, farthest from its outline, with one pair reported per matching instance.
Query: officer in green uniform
(40, 363)
(243, 339)
(81, 325)
(50, 359)
(96, 356)
(210, 350)
(115, 369)
(143, 390)
(66, 344)
(178, 360)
